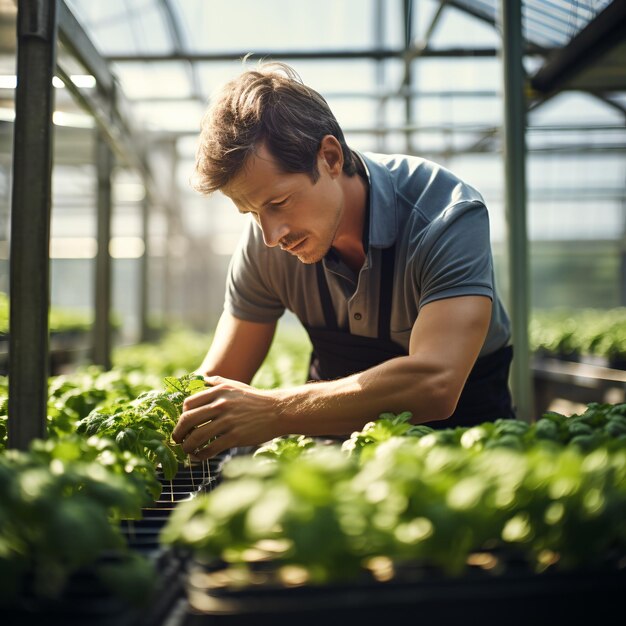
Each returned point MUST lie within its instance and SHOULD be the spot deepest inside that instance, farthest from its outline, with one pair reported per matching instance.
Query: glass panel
(124, 26)
(338, 76)
(326, 77)
(395, 112)
(354, 112)
(279, 24)
(468, 74)
(98, 13)
(572, 15)
(457, 28)
(574, 107)
(547, 223)
(181, 116)
(363, 142)
(423, 14)
(150, 80)
(118, 38)
(392, 74)
(212, 75)
(393, 23)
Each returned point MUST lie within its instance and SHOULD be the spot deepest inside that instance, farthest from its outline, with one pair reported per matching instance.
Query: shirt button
(357, 316)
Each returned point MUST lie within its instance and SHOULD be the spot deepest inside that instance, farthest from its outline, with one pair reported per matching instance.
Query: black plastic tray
(519, 597)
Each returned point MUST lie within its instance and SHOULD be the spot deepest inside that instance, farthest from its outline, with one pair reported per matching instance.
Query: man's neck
(348, 241)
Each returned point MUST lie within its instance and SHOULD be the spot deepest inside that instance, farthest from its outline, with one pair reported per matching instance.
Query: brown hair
(269, 105)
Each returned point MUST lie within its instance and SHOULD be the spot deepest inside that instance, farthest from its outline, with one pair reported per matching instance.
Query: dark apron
(337, 353)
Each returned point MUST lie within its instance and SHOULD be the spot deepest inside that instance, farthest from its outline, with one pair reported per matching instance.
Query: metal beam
(476, 147)
(483, 16)
(600, 35)
(321, 55)
(585, 149)
(474, 128)
(514, 116)
(30, 222)
(349, 95)
(433, 23)
(606, 99)
(74, 38)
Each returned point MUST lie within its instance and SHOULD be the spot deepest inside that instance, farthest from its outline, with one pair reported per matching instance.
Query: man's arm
(238, 348)
(445, 342)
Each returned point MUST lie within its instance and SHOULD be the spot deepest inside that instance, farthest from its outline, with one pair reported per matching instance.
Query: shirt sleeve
(456, 255)
(249, 295)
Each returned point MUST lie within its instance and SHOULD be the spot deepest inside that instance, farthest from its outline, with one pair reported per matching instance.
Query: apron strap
(384, 299)
(330, 319)
(385, 296)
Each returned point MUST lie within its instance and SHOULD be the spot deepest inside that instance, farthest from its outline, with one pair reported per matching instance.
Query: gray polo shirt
(440, 227)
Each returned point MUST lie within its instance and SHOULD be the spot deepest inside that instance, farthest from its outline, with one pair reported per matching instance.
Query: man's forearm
(444, 345)
(342, 406)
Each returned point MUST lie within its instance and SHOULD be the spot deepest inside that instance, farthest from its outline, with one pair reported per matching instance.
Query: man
(386, 261)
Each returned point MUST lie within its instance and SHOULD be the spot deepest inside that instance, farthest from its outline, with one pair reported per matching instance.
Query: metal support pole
(168, 271)
(622, 253)
(379, 31)
(30, 222)
(144, 302)
(515, 204)
(177, 294)
(102, 326)
(407, 82)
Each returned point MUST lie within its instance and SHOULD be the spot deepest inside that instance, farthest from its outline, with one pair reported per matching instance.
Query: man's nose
(273, 231)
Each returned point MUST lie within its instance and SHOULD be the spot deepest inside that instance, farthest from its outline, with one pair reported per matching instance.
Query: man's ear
(331, 155)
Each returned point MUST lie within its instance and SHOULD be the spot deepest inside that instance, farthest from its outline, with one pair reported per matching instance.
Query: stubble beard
(316, 255)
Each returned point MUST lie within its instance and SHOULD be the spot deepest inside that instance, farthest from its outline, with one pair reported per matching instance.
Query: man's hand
(228, 414)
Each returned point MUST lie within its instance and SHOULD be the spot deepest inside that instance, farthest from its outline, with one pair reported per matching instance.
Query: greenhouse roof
(169, 55)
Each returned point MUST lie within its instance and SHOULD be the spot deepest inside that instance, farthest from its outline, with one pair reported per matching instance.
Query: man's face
(294, 213)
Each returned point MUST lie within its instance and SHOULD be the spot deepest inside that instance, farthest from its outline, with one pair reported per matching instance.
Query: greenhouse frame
(107, 254)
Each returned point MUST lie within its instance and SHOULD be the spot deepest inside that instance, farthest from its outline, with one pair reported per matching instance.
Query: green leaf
(127, 439)
(168, 407)
(174, 384)
(165, 456)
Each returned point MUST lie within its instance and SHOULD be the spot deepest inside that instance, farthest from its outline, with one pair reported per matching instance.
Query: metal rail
(321, 55)
(575, 382)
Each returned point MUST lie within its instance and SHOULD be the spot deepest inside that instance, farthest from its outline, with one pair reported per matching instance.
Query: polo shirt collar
(383, 205)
